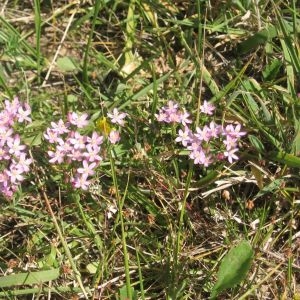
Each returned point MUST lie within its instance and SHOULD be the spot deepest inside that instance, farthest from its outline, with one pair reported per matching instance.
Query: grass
(153, 225)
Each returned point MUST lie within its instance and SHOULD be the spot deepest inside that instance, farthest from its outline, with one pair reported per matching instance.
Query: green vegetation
(150, 222)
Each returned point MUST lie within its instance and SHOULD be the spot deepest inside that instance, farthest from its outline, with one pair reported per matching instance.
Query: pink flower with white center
(203, 134)
(60, 127)
(207, 108)
(92, 154)
(184, 118)
(116, 117)
(75, 155)
(78, 141)
(161, 116)
(183, 136)
(75, 119)
(14, 145)
(15, 173)
(174, 118)
(171, 108)
(114, 136)
(56, 157)
(7, 191)
(81, 182)
(5, 133)
(230, 142)
(6, 119)
(200, 157)
(4, 178)
(52, 136)
(4, 155)
(23, 162)
(214, 130)
(64, 147)
(194, 144)
(230, 154)
(12, 107)
(234, 132)
(23, 114)
(87, 169)
(95, 139)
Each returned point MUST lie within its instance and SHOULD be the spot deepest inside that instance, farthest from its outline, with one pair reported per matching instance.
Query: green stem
(63, 241)
(88, 45)
(180, 225)
(123, 233)
(38, 22)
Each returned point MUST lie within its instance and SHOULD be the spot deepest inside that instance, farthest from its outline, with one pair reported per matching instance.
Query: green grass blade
(28, 278)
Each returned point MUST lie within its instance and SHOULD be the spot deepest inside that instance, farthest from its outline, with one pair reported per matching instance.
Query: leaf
(258, 176)
(257, 39)
(66, 64)
(123, 293)
(273, 186)
(28, 278)
(234, 268)
(256, 143)
(288, 159)
(271, 70)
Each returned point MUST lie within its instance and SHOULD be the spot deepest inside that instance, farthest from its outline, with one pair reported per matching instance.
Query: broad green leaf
(234, 268)
(29, 278)
(66, 64)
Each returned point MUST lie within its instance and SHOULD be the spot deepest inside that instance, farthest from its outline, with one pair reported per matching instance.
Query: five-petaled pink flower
(117, 117)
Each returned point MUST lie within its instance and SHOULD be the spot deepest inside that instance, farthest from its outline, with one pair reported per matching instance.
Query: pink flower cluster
(82, 152)
(206, 144)
(13, 157)
(69, 146)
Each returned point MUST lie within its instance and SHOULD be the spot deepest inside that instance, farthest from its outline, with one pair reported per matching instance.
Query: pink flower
(14, 145)
(114, 136)
(92, 153)
(12, 107)
(5, 133)
(15, 173)
(207, 108)
(23, 162)
(117, 117)
(171, 108)
(81, 182)
(23, 114)
(75, 119)
(214, 129)
(87, 169)
(56, 157)
(200, 157)
(161, 116)
(78, 141)
(60, 127)
(183, 136)
(52, 136)
(203, 134)
(230, 155)
(95, 139)
(234, 132)
(230, 142)
(4, 155)
(75, 155)
(184, 118)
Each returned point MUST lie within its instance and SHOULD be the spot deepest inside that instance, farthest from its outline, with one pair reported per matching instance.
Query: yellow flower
(103, 126)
